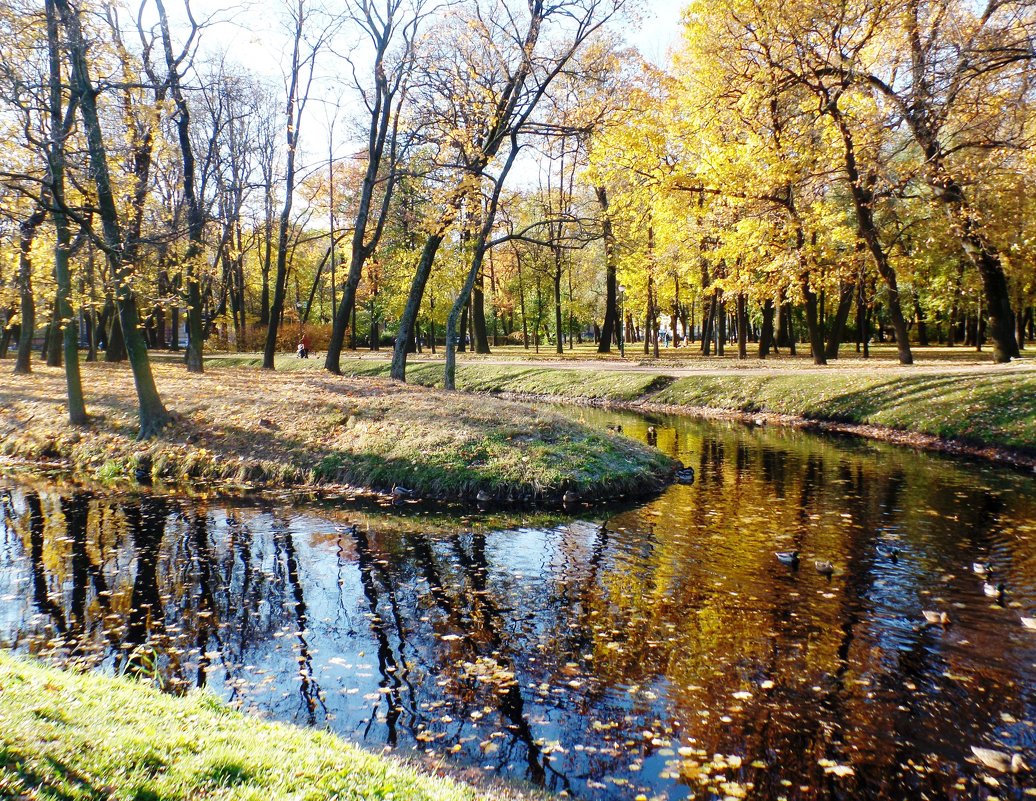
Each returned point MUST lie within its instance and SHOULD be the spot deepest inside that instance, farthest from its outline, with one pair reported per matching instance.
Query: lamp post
(622, 321)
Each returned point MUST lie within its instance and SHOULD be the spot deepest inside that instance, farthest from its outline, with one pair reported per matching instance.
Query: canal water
(657, 648)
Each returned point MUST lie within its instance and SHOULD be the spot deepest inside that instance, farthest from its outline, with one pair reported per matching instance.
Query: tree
(391, 28)
(305, 47)
(61, 118)
(152, 412)
(959, 82)
(507, 62)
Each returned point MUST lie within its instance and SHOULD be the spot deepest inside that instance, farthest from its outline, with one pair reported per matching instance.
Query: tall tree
(61, 119)
(308, 38)
(391, 26)
(175, 63)
(152, 413)
(509, 60)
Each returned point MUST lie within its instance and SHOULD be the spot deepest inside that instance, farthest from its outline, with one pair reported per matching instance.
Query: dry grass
(260, 428)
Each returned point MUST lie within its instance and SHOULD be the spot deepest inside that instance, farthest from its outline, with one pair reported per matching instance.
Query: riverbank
(86, 736)
(251, 428)
(983, 411)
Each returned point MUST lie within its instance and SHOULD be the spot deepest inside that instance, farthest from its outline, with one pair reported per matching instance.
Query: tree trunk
(720, 324)
(463, 337)
(6, 330)
(480, 338)
(708, 321)
(559, 334)
(813, 329)
(845, 304)
(863, 202)
(53, 340)
(611, 299)
(742, 326)
(26, 235)
(153, 415)
(413, 304)
(766, 337)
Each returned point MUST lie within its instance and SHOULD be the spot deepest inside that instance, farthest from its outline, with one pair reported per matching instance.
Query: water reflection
(663, 650)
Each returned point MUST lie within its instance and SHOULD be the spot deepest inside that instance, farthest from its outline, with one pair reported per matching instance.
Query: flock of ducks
(990, 587)
(987, 757)
(791, 559)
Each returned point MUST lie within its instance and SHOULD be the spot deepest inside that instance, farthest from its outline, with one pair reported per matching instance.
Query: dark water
(660, 650)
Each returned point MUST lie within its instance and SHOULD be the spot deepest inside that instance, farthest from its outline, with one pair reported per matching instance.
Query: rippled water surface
(661, 649)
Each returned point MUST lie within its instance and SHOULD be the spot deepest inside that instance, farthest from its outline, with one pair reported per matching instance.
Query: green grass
(985, 408)
(990, 407)
(81, 737)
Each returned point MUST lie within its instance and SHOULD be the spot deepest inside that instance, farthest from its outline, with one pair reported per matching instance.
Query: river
(656, 648)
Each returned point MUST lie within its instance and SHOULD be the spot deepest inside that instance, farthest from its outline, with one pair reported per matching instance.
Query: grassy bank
(294, 428)
(993, 408)
(987, 406)
(83, 736)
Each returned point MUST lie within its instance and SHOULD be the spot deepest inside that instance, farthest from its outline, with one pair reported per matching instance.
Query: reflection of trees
(388, 667)
(676, 604)
(206, 613)
(487, 626)
(146, 518)
(472, 610)
(75, 508)
(40, 593)
(309, 690)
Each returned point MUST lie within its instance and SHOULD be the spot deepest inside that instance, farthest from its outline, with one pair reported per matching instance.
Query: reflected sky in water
(662, 649)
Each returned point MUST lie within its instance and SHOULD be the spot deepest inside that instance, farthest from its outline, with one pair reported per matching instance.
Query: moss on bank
(257, 428)
(83, 736)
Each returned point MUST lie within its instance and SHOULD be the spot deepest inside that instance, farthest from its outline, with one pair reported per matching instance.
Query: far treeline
(491, 171)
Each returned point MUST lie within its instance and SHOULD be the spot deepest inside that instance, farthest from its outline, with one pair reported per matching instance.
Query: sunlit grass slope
(81, 737)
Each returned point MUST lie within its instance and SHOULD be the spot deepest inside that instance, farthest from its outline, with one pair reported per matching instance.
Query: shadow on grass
(54, 781)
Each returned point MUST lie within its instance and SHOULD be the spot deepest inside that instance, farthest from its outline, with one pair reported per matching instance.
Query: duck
(616, 428)
(936, 618)
(893, 555)
(399, 492)
(569, 497)
(685, 475)
(790, 558)
(998, 760)
(1028, 622)
(994, 590)
(824, 568)
(981, 568)
(483, 497)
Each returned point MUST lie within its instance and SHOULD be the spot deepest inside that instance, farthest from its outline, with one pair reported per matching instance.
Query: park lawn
(979, 404)
(990, 407)
(525, 379)
(251, 427)
(86, 737)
